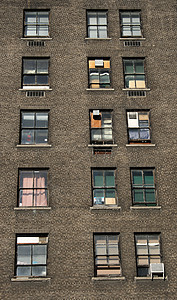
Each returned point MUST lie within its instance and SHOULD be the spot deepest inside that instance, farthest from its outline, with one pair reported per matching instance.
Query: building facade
(88, 207)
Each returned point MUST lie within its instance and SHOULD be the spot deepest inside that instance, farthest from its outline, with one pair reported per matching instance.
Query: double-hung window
(134, 73)
(36, 23)
(130, 24)
(99, 73)
(101, 127)
(33, 189)
(147, 252)
(35, 73)
(143, 187)
(107, 255)
(138, 127)
(31, 255)
(97, 24)
(103, 186)
(34, 127)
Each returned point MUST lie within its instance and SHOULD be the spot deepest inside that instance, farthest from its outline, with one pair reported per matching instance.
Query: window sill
(109, 89)
(149, 278)
(140, 145)
(108, 278)
(145, 207)
(98, 39)
(138, 89)
(16, 279)
(104, 207)
(36, 38)
(32, 208)
(34, 146)
(102, 145)
(35, 88)
(132, 39)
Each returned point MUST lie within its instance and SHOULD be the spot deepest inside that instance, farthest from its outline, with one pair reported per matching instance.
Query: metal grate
(35, 94)
(102, 150)
(136, 93)
(132, 43)
(35, 43)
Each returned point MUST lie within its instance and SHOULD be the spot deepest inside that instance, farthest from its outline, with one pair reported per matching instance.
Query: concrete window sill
(17, 279)
(149, 278)
(144, 207)
(132, 39)
(98, 39)
(35, 88)
(32, 208)
(102, 146)
(146, 89)
(34, 146)
(140, 145)
(106, 90)
(105, 207)
(108, 278)
(36, 38)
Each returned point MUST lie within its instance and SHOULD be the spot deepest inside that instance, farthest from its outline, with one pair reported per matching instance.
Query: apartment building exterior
(88, 207)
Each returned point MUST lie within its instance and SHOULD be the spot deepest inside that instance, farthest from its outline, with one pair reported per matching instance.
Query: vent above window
(132, 43)
(35, 94)
(136, 93)
(35, 43)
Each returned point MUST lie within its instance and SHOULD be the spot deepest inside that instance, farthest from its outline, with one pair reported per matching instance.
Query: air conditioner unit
(156, 268)
(96, 112)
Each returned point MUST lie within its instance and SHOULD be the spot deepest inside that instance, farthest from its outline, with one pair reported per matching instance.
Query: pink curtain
(27, 196)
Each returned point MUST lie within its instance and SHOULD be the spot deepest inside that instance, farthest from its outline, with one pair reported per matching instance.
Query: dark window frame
(107, 234)
(102, 141)
(99, 70)
(135, 74)
(139, 140)
(131, 12)
(96, 25)
(143, 187)
(34, 128)
(36, 24)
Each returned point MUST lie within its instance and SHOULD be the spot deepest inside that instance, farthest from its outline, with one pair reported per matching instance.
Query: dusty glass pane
(144, 134)
(136, 31)
(94, 77)
(42, 79)
(40, 179)
(150, 195)
(126, 31)
(43, 17)
(98, 178)
(92, 32)
(98, 196)
(139, 66)
(102, 19)
(42, 66)
(96, 134)
(107, 134)
(135, 19)
(23, 271)
(92, 18)
(30, 30)
(110, 193)
(125, 18)
(142, 249)
(100, 249)
(23, 255)
(40, 197)
(41, 136)
(138, 195)
(28, 119)
(148, 178)
(100, 239)
(42, 120)
(30, 17)
(29, 66)
(39, 254)
(39, 271)
(130, 81)
(137, 178)
(104, 77)
(128, 67)
(42, 30)
(133, 134)
(109, 178)
(102, 31)
(113, 249)
(27, 136)
(29, 79)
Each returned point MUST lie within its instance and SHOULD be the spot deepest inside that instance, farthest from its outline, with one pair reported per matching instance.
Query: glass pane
(102, 32)
(148, 178)
(135, 19)
(142, 249)
(154, 239)
(113, 249)
(109, 179)
(154, 249)
(42, 66)
(41, 136)
(23, 271)
(126, 31)
(39, 271)
(30, 17)
(100, 239)
(102, 260)
(98, 196)
(42, 30)
(29, 66)
(106, 120)
(137, 178)
(143, 260)
(94, 77)
(23, 255)
(92, 18)
(138, 195)
(143, 272)
(140, 81)
(136, 31)
(143, 123)
(102, 19)
(139, 66)
(141, 239)
(128, 67)
(27, 137)
(133, 134)
(30, 30)
(150, 195)
(144, 134)
(42, 120)
(107, 134)
(92, 32)
(112, 239)
(42, 79)
(125, 18)
(28, 119)
(26, 179)
(100, 249)
(26, 198)
(98, 178)
(43, 17)
(40, 179)
(129, 82)
(113, 260)
(40, 197)
(155, 259)
(28, 79)
(104, 77)
(110, 193)
(96, 134)
(39, 254)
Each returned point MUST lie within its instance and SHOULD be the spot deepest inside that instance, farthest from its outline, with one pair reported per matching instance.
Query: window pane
(128, 67)
(98, 196)
(92, 18)
(42, 120)
(112, 239)
(106, 120)
(94, 77)
(42, 31)
(39, 254)
(102, 260)
(136, 31)
(40, 179)
(144, 134)
(100, 239)
(100, 249)
(102, 19)
(23, 255)
(113, 260)
(155, 259)
(98, 178)
(150, 195)
(139, 66)
(133, 134)
(26, 197)
(102, 32)
(143, 260)
(41, 136)
(26, 179)
(43, 18)
(143, 272)
(39, 271)
(27, 137)
(30, 30)
(142, 249)
(143, 123)
(42, 79)
(23, 271)
(30, 17)
(135, 19)
(29, 66)
(40, 197)
(138, 196)
(107, 134)
(130, 81)
(104, 77)
(125, 18)
(126, 31)
(113, 249)
(148, 178)
(28, 119)
(29, 79)
(140, 81)
(154, 249)
(92, 32)
(42, 66)
(110, 193)
(137, 178)
(96, 134)
(109, 179)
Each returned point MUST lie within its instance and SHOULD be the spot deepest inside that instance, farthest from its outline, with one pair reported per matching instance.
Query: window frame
(130, 12)
(104, 170)
(139, 140)
(23, 188)
(37, 24)
(34, 128)
(134, 74)
(99, 71)
(149, 255)
(107, 234)
(96, 25)
(101, 141)
(143, 187)
(40, 235)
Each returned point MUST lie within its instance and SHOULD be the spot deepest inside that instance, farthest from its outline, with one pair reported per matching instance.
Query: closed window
(103, 186)
(101, 127)
(36, 23)
(134, 74)
(34, 127)
(35, 73)
(99, 73)
(33, 189)
(31, 255)
(130, 24)
(147, 252)
(107, 255)
(143, 187)
(97, 24)
(138, 127)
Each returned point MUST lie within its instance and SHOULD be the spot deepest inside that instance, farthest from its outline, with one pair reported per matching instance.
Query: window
(101, 127)
(107, 256)
(147, 252)
(134, 75)
(103, 186)
(33, 188)
(31, 255)
(99, 73)
(36, 24)
(97, 24)
(130, 24)
(34, 127)
(35, 73)
(143, 187)
(138, 127)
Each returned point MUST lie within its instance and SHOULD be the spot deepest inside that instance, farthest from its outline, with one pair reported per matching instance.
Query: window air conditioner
(156, 268)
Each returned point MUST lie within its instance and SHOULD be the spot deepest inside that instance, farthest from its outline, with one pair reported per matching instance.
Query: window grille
(35, 94)
(132, 43)
(136, 93)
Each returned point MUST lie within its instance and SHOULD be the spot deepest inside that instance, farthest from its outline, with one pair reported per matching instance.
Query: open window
(99, 73)
(138, 127)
